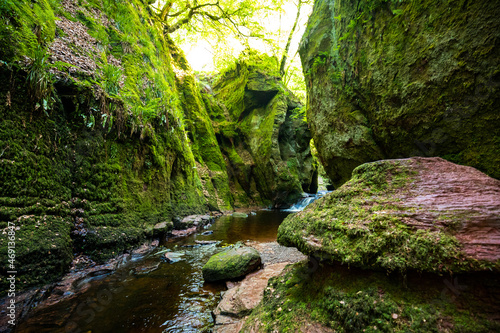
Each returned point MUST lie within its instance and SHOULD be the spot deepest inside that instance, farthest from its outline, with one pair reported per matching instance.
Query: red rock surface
(445, 193)
(452, 211)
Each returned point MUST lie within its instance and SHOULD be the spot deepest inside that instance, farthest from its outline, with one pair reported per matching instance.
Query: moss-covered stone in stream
(376, 221)
(231, 263)
(313, 297)
(394, 79)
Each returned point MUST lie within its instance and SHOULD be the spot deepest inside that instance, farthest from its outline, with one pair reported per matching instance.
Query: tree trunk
(287, 47)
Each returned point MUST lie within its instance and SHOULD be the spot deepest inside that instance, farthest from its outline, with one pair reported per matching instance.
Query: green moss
(353, 300)
(418, 76)
(24, 27)
(205, 147)
(258, 134)
(56, 171)
(231, 263)
(43, 248)
(363, 224)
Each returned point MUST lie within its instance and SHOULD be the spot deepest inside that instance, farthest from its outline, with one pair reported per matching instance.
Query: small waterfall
(306, 200)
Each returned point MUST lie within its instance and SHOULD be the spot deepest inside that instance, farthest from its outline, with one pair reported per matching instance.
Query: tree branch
(193, 10)
(289, 41)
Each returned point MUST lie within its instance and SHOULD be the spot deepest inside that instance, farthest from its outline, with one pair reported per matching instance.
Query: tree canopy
(214, 16)
(230, 26)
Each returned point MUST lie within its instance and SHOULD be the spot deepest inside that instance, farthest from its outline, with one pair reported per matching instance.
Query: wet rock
(172, 257)
(205, 242)
(216, 214)
(206, 233)
(162, 228)
(238, 214)
(230, 327)
(184, 233)
(81, 262)
(422, 214)
(230, 264)
(146, 268)
(192, 220)
(240, 300)
(191, 245)
(143, 249)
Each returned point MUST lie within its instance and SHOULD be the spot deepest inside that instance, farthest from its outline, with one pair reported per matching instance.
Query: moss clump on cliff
(392, 79)
(317, 297)
(24, 26)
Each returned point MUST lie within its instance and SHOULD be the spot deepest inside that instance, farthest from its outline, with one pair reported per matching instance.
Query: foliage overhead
(226, 27)
(214, 16)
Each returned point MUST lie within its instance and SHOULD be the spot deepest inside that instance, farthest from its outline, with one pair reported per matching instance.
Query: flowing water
(306, 200)
(148, 294)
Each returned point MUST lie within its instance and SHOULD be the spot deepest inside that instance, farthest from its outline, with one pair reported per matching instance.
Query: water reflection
(148, 294)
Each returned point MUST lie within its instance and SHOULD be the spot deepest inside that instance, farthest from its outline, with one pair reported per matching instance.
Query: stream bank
(143, 290)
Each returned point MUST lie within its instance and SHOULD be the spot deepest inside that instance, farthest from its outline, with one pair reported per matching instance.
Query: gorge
(110, 144)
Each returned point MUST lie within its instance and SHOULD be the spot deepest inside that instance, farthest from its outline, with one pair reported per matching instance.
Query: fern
(40, 81)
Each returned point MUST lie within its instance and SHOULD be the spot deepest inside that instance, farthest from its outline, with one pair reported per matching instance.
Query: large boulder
(231, 264)
(262, 133)
(395, 79)
(422, 214)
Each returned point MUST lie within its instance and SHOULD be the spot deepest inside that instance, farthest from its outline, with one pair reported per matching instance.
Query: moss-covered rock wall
(94, 143)
(260, 130)
(392, 79)
(71, 189)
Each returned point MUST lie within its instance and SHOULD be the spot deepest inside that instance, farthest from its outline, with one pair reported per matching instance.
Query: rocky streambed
(144, 290)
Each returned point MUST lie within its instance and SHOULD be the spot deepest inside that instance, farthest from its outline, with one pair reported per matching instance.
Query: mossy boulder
(258, 126)
(231, 264)
(395, 79)
(423, 214)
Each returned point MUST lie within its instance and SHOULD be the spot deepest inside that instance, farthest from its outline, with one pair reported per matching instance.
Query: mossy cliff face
(266, 146)
(94, 144)
(423, 214)
(207, 153)
(393, 79)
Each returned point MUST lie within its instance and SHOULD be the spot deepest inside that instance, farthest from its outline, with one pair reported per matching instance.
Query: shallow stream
(148, 294)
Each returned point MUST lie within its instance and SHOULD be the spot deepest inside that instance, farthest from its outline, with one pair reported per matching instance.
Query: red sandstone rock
(464, 194)
(452, 211)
